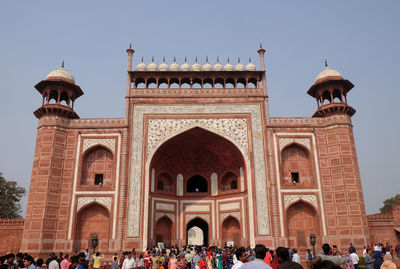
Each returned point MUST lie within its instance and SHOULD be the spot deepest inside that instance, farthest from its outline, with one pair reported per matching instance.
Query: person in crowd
(203, 262)
(129, 262)
(335, 257)
(354, 259)
(242, 257)
(378, 260)
(349, 264)
(19, 258)
(53, 263)
(74, 262)
(64, 264)
(388, 263)
(154, 260)
(258, 262)
(10, 258)
(29, 263)
(84, 264)
(369, 262)
(284, 259)
(325, 264)
(295, 256)
(173, 262)
(87, 255)
(275, 263)
(196, 260)
(114, 262)
(268, 257)
(140, 261)
(352, 248)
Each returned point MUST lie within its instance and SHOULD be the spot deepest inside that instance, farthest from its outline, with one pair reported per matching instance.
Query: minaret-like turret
(59, 93)
(330, 90)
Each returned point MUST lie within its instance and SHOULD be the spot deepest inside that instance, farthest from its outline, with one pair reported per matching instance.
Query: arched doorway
(302, 221)
(199, 224)
(197, 184)
(231, 231)
(164, 231)
(93, 219)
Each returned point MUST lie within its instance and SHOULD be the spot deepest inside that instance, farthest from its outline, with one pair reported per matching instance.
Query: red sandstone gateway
(195, 159)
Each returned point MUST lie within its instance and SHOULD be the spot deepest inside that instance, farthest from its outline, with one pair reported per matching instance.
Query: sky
(360, 39)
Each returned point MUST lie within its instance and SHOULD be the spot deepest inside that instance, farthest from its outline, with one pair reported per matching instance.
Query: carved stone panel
(293, 198)
(105, 201)
(107, 142)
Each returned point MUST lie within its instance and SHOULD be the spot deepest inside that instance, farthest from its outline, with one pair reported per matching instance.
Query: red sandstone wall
(11, 235)
(341, 186)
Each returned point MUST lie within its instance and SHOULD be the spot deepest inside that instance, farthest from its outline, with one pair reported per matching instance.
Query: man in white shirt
(129, 262)
(241, 255)
(354, 259)
(295, 257)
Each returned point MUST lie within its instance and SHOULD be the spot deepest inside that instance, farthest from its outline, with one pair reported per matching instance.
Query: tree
(388, 203)
(10, 198)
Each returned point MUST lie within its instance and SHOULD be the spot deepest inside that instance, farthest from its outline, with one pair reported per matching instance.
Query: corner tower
(330, 90)
(45, 226)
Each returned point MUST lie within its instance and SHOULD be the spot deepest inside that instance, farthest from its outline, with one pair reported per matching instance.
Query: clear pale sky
(360, 39)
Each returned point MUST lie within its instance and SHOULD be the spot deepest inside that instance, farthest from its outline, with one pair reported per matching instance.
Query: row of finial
(195, 67)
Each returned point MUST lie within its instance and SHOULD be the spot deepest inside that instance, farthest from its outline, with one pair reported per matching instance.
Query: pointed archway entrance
(193, 232)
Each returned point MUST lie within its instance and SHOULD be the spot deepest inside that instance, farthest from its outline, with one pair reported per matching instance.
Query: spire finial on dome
(206, 59)
(196, 60)
(174, 59)
(249, 59)
(163, 59)
(228, 59)
(152, 58)
(62, 64)
(142, 59)
(238, 59)
(185, 59)
(326, 63)
(130, 45)
(217, 59)
(261, 46)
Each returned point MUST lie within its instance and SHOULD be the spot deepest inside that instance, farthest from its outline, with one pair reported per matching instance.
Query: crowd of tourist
(376, 256)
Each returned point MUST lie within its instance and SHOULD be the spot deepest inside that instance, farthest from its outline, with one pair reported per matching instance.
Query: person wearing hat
(388, 263)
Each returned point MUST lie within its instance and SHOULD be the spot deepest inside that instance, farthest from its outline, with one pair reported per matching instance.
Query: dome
(185, 66)
(250, 66)
(61, 73)
(239, 66)
(196, 66)
(141, 66)
(152, 66)
(163, 66)
(207, 66)
(328, 72)
(174, 66)
(228, 66)
(217, 66)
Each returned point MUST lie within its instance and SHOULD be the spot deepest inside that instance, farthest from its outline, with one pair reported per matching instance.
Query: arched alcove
(302, 219)
(202, 225)
(97, 167)
(164, 183)
(296, 167)
(197, 184)
(229, 182)
(231, 231)
(92, 219)
(164, 230)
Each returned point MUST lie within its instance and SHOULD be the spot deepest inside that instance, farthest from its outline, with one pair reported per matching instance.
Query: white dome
(218, 66)
(61, 73)
(228, 66)
(250, 66)
(196, 66)
(185, 66)
(163, 66)
(239, 66)
(141, 66)
(207, 66)
(174, 66)
(328, 72)
(152, 66)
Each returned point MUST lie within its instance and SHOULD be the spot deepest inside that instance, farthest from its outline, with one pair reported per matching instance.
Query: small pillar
(130, 52)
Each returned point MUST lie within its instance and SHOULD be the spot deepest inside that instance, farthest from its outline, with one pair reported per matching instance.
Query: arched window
(229, 182)
(97, 167)
(297, 167)
(197, 184)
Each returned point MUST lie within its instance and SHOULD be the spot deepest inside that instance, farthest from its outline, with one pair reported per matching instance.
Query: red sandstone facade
(196, 148)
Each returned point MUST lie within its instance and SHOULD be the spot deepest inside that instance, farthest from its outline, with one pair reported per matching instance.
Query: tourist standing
(388, 263)
(295, 257)
(241, 255)
(258, 262)
(97, 260)
(337, 258)
(354, 259)
(369, 262)
(129, 262)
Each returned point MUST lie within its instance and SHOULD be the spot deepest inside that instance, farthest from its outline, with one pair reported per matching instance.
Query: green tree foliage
(10, 198)
(388, 203)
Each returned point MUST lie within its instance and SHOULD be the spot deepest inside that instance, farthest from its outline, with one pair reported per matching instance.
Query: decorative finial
(163, 59)
(130, 45)
(249, 59)
(142, 59)
(152, 58)
(206, 59)
(326, 63)
(217, 59)
(62, 64)
(260, 45)
(238, 59)
(196, 60)
(174, 59)
(185, 59)
(228, 59)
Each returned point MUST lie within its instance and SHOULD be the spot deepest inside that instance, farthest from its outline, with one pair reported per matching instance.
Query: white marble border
(135, 180)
